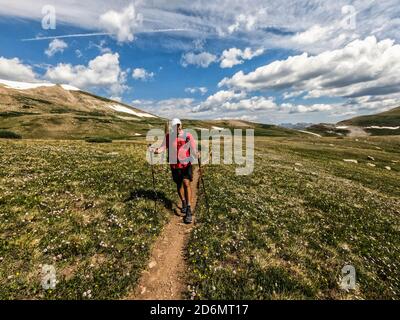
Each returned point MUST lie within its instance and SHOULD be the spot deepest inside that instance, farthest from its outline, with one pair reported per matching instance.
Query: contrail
(162, 30)
(77, 35)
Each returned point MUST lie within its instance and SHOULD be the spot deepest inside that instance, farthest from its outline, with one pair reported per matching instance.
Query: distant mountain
(389, 118)
(296, 126)
(61, 111)
(384, 123)
(53, 111)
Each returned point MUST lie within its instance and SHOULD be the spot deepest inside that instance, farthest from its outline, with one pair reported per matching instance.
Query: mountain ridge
(57, 111)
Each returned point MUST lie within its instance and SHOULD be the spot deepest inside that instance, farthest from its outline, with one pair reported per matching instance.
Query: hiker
(181, 153)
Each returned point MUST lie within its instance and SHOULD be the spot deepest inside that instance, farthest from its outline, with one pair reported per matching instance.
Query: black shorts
(182, 173)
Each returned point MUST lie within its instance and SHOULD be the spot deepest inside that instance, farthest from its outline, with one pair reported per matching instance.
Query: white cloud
(243, 118)
(14, 69)
(122, 24)
(55, 46)
(374, 103)
(102, 46)
(203, 59)
(142, 74)
(292, 94)
(169, 108)
(228, 101)
(251, 21)
(234, 105)
(234, 56)
(292, 108)
(314, 34)
(201, 90)
(247, 21)
(102, 72)
(250, 104)
(218, 99)
(363, 67)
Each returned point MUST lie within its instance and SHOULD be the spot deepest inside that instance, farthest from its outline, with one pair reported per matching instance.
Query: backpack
(186, 138)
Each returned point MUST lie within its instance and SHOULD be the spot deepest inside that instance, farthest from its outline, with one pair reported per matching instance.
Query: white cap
(175, 121)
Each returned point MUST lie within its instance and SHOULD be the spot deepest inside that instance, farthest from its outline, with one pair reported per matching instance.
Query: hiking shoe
(188, 217)
(183, 209)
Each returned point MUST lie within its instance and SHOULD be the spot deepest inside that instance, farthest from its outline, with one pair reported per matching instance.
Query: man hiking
(181, 153)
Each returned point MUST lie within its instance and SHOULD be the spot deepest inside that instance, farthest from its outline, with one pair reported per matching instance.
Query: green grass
(327, 131)
(98, 140)
(286, 231)
(86, 209)
(6, 134)
(384, 132)
(389, 118)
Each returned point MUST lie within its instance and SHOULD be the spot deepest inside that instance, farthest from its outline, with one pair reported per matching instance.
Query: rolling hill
(54, 111)
(384, 123)
(389, 118)
(63, 112)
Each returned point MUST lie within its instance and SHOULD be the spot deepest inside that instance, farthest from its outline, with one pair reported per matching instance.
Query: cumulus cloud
(228, 101)
(55, 46)
(363, 67)
(235, 56)
(247, 21)
(219, 99)
(292, 108)
(203, 59)
(14, 69)
(228, 104)
(292, 94)
(122, 24)
(142, 74)
(102, 72)
(168, 108)
(201, 90)
(373, 103)
(251, 104)
(242, 118)
(319, 38)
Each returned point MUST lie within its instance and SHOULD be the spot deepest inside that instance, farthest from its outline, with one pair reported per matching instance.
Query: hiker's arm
(162, 148)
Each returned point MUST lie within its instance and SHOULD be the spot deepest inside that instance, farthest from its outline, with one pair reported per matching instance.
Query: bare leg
(181, 192)
(188, 191)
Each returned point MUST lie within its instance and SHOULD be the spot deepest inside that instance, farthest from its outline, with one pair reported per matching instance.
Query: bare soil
(164, 277)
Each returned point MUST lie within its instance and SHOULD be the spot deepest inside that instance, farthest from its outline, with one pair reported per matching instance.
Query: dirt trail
(356, 132)
(164, 275)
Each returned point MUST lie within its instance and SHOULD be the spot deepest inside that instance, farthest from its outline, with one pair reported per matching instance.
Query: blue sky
(264, 61)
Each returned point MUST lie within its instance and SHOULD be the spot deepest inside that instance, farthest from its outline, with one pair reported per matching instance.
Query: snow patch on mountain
(120, 108)
(18, 85)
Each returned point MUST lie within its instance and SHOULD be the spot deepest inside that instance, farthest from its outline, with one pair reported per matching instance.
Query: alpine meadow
(214, 152)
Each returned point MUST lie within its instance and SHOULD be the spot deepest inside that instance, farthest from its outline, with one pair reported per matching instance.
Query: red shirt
(179, 151)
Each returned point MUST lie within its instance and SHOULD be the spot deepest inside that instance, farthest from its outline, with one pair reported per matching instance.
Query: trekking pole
(154, 179)
(202, 182)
